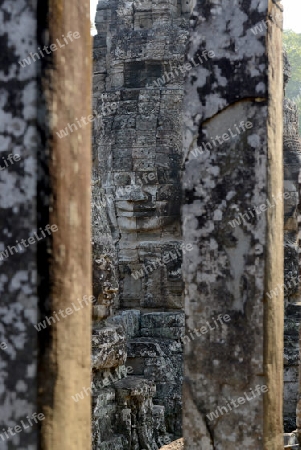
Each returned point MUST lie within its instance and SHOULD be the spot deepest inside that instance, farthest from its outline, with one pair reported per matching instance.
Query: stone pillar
(19, 136)
(233, 217)
(45, 247)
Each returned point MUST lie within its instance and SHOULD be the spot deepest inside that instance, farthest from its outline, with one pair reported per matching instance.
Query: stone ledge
(176, 445)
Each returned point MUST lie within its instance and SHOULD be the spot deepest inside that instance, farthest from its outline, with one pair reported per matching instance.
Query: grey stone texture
(108, 347)
(137, 388)
(230, 267)
(19, 134)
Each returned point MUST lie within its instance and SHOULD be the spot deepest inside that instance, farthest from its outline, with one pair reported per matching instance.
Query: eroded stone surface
(108, 348)
(226, 271)
(18, 135)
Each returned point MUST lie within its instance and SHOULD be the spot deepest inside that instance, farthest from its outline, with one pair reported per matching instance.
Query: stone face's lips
(144, 208)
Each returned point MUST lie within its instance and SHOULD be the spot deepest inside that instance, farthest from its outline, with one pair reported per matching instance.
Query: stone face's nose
(138, 194)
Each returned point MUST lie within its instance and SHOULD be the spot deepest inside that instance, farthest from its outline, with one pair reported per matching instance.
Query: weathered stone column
(45, 208)
(233, 216)
(66, 346)
(19, 137)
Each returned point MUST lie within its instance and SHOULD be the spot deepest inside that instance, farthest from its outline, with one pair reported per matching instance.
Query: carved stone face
(138, 147)
(143, 181)
(151, 202)
(141, 185)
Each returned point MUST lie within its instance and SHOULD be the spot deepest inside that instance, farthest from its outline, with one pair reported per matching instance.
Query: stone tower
(292, 165)
(139, 70)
